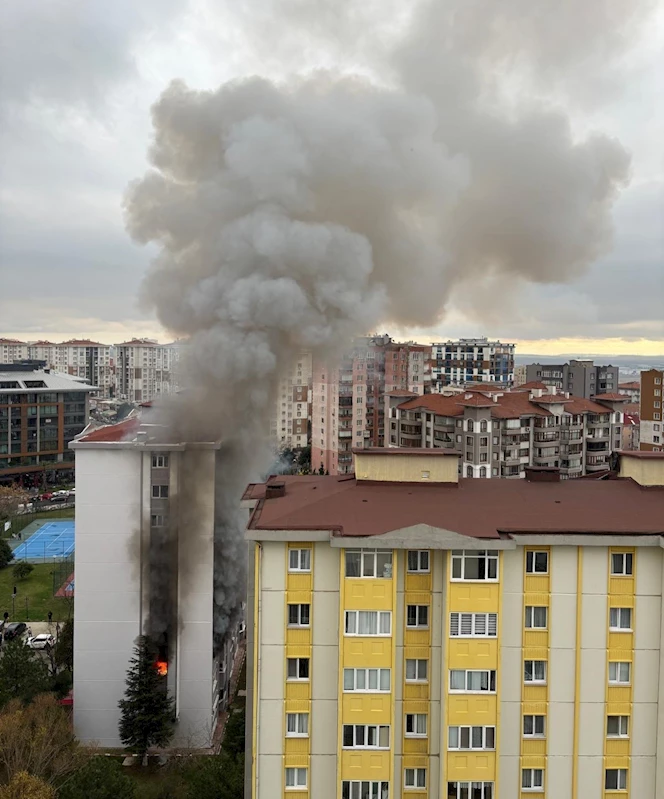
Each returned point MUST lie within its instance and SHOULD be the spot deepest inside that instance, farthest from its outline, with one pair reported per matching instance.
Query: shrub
(22, 569)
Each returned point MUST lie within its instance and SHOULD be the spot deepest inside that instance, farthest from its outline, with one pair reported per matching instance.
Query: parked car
(15, 630)
(41, 641)
(45, 496)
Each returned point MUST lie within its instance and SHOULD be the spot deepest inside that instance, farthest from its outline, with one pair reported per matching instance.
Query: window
(157, 520)
(297, 668)
(532, 779)
(469, 469)
(534, 671)
(617, 726)
(298, 615)
(367, 680)
(417, 670)
(471, 426)
(416, 725)
(297, 725)
(160, 492)
(471, 681)
(484, 442)
(160, 461)
(368, 563)
(473, 625)
(417, 616)
(469, 441)
(615, 779)
(483, 426)
(469, 790)
(533, 727)
(418, 560)
(296, 779)
(299, 560)
(621, 564)
(415, 778)
(620, 619)
(469, 565)
(472, 738)
(368, 622)
(366, 736)
(364, 789)
(619, 672)
(536, 617)
(537, 562)
(482, 471)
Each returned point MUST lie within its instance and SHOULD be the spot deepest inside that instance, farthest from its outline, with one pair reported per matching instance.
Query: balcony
(552, 436)
(597, 446)
(345, 433)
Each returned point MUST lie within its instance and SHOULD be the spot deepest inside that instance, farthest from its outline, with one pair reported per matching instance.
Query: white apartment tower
(146, 369)
(289, 423)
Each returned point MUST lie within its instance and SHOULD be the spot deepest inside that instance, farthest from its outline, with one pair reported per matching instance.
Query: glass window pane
(410, 669)
(473, 568)
(352, 564)
(293, 559)
(456, 568)
(423, 669)
(527, 725)
(424, 561)
(368, 564)
(384, 737)
(628, 563)
(490, 735)
(304, 668)
(384, 679)
(457, 680)
(384, 564)
(385, 622)
(453, 734)
(373, 679)
(361, 679)
(349, 679)
(351, 621)
(305, 559)
(464, 738)
(476, 737)
(412, 560)
(493, 569)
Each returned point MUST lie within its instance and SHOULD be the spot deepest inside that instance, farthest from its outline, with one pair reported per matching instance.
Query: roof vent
(275, 490)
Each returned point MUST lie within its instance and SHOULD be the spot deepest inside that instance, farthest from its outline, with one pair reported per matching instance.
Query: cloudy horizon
(78, 82)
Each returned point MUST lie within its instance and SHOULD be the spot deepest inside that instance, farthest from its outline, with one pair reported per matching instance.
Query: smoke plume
(294, 215)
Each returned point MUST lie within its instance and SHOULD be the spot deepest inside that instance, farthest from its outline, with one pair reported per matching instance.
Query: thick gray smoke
(295, 215)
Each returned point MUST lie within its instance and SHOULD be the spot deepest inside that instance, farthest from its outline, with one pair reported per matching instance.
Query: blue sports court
(51, 540)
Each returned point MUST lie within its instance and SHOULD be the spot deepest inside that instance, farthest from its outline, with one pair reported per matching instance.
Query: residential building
(520, 374)
(580, 378)
(290, 422)
(415, 634)
(144, 562)
(146, 369)
(348, 398)
(82, 358)
(631, 434)
(502, 433)
(40, 413)
(471, 360)
(651, 430)
(13, 350)
(631, 389)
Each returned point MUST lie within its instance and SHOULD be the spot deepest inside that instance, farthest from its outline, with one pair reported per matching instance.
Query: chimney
(542, 474)
(275, 490)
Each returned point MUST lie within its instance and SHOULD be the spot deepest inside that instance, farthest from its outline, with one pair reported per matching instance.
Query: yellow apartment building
(415, 635)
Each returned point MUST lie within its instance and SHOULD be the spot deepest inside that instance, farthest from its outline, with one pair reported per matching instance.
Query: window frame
(366, 671)
(534, 733)
(474, 619)
(297, 786)
(470, 748)
(365, 736)
(418, 771)
(159, 491)
(419, 611)
(618, 668)
(626, 557)
(419, 553)
(459, 786)
(532, 773)
(365, 554)
(380, 614)
(620, 611)
(530, 617)
(535, 681)
(416, 679)
(531, 554)
(299, 623)
(376, 788)
(298, 661)
(298, 569)
(461, 556)
(491, 680)
(415, 717)
(620, 772)
(619, 734)
(156, 457)
(297, 733)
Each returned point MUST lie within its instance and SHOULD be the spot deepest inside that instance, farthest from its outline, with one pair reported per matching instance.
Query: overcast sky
(77, 79)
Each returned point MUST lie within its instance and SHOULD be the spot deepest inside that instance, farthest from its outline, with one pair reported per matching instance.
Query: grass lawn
(37, 589)
(19, 522)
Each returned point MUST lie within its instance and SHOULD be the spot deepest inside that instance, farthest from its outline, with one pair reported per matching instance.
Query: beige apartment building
(146, 369)
(416, 635)
(501, 433)
(651, 425)
(291, 415)
(81, 358)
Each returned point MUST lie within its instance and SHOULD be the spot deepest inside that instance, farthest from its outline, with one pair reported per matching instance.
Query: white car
(41, 641)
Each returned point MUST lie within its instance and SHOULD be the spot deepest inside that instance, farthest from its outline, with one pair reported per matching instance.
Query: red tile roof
(532, 384)
(400, 392)
(552, 399)
(476, 508)
(630, 386)
(138, 342)
(476, 401)
(82, 342)
(11, 341)
(114, 432)
(611, 397)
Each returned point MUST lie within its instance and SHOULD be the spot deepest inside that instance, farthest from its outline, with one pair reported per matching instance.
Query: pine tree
(147, 712)
(23, 674)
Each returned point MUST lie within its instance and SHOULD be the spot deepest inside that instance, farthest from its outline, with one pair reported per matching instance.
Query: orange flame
(162, 667)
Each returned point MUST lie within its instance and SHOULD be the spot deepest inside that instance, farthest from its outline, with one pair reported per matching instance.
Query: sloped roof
(113, 432)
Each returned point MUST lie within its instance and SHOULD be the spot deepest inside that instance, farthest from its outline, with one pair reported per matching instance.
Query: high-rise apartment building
(471, 360)
(144, 561)
(651, 428)
(40, 413)
(82, 358)
(631, 390)
(13, 350)
(146, 369)
(580, 378)
(348, 400)
(502, 433)
(413, 635)
(520, 374)
(291, 417)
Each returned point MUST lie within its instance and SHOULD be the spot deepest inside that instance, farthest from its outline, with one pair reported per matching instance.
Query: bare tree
(10, 498)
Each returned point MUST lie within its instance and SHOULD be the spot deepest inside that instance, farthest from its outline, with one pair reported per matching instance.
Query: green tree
(22, 569)
(6, 554)
(23, 674)
(218, 777)
(63, 652)
(146, 712)
(100, 778)
(25, 786)
(233, 743)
